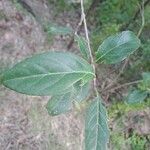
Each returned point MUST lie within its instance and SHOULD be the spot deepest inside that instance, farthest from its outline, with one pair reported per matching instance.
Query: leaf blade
(136, 96)
(49, 73)
(116, 48)
(64, 103)
(83, 46)
(96, 128)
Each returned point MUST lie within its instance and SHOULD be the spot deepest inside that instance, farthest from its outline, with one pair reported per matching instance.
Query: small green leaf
(118, 47)
(64, 103)
(136, 96)
(96, 128)
(146, 79)
(83, 46)
(54, 29)
(82, 92)
(59, 104)
(50, 73)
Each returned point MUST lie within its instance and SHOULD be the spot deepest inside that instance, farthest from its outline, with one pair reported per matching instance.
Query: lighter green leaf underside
(59, 104)
(64, 103)
(50, 73)
(96, 128)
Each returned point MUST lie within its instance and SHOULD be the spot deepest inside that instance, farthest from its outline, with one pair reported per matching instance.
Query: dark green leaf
(64, 103)
(50, 73)
(96, 128)
(136, 96)
(118, 47)
(83, 47)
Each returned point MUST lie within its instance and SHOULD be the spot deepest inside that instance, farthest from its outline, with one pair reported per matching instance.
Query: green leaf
(96, 128)
(146, 79)
(82, 92)
(64, 103)
(59, 104)
(118, 47)
(50, 73)
(136, 96)
(0, 79)
(82, 43)
(54, 29)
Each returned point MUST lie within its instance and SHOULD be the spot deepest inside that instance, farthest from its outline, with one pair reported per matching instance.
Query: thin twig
(143, 19)
(89, 47)
(115, 80)
(123, 85)
(124, 27)
(75, 33)
(80, 25)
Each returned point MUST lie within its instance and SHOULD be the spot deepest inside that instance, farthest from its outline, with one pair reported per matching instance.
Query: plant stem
(89, 47)
(143, 19)
(123, 85)
(79, 26)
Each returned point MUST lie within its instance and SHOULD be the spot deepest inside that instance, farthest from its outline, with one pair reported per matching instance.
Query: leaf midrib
(97, 123)
(49, 74)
